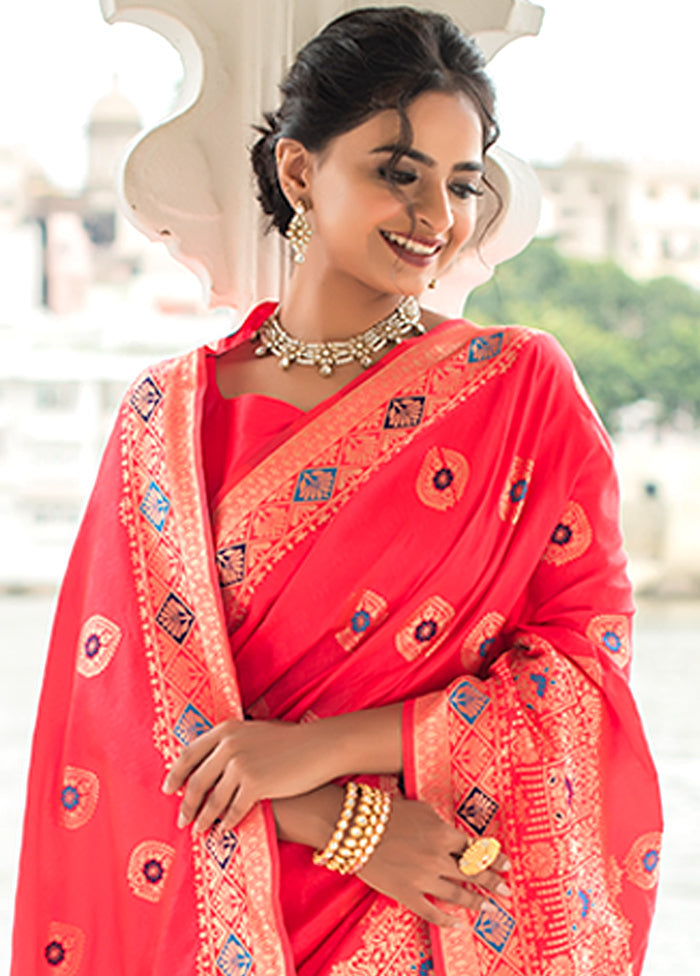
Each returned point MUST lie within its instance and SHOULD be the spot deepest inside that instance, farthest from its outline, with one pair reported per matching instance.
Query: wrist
(308, 819)
(367, 741)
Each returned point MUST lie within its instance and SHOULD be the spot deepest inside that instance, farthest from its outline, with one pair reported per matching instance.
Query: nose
(434, 209)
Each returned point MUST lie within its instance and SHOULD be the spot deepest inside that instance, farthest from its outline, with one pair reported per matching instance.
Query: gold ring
(479, 856)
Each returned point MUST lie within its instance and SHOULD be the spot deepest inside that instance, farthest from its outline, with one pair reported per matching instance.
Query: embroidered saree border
(440, 371)
(192, 676)
(547, 899)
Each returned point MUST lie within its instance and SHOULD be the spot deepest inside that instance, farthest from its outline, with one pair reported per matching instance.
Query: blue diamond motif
(477, 810)
(468, 701)
(191, 725)
(404, 412)
(146, 398)
(315, 485)
(494, 926)
(175, 618)
(155, 506)
(234, 959)
(485, 347)
(221, 844)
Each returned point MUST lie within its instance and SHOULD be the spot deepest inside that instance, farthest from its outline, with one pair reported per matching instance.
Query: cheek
(465, 223)
(353, 214)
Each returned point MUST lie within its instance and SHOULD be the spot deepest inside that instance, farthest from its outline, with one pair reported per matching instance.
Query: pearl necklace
(325, 356)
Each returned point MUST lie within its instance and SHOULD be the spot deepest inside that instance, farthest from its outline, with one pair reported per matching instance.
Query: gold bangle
(365, 832)
(341, 827)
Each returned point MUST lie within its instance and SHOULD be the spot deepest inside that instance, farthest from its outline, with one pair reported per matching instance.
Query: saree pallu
(441, 533)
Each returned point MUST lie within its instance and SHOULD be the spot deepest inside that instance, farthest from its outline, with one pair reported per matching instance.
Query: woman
(371, 605)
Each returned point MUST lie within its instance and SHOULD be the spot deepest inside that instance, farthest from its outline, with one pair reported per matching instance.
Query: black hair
(362, 63)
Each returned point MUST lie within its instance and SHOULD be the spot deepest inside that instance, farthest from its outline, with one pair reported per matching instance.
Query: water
(666, 679)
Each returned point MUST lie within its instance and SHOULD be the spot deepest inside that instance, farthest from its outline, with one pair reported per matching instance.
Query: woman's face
(363, 227)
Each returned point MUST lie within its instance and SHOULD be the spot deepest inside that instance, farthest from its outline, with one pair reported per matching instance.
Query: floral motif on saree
(80, 792)
(98, 641)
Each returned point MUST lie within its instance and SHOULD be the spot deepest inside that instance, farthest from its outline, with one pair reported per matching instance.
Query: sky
(619, 78)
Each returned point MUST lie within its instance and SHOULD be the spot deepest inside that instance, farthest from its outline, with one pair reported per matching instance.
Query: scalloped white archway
(187, 182)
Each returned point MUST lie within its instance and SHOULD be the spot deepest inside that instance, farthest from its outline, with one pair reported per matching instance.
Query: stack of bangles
(359, 829)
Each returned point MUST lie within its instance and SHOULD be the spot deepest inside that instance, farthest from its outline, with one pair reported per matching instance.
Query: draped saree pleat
(441, 533)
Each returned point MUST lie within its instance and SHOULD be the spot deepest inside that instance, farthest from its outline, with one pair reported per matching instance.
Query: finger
(217, 802)
(434, 916)
(190, 757)
(490, 880)
(241, 804)
(455, 894)
(200, 783)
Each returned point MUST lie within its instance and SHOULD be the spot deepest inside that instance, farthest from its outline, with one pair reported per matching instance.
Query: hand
(236, 764)
(415, 862)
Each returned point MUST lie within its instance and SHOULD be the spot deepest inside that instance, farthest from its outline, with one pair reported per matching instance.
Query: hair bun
(264, 162)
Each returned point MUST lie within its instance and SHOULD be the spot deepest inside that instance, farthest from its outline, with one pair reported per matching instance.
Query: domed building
(112, 125)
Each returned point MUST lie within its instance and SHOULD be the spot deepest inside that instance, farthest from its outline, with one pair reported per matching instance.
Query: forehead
(446, 127)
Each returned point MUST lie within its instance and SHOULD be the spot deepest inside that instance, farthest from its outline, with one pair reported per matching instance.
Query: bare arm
(415, 858)
(235, 765)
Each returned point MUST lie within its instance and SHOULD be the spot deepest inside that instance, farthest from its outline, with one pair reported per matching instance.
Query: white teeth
(413, 247)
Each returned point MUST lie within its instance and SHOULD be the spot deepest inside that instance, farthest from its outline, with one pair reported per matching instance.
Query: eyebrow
(470, 166)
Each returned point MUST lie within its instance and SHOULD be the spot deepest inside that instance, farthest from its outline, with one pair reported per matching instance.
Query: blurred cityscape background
(86, 302)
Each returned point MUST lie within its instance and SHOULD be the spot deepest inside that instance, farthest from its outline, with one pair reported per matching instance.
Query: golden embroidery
(517, 486)
(571, 537)
(442, 478)
(80, 792)
(394, 943)
(148, 869)
(386, 416)
(188, 655)
(426, 629)
(563, 906)
(98, 641)
(64, 948)
(481, 640)
(642, 861)
(611, 634)
(364, 613)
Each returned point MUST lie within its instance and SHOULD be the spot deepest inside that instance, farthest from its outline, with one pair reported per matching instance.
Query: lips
(418, 251)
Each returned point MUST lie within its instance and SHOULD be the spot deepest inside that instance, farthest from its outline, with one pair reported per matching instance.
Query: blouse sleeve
(546, 751)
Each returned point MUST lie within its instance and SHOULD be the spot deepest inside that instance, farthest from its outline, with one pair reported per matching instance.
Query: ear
(293, 169)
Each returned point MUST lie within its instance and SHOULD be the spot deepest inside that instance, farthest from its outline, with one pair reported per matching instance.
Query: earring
(298, 232)
(432, 283)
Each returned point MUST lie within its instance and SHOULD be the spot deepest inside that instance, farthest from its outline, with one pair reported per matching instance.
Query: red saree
(444, 533)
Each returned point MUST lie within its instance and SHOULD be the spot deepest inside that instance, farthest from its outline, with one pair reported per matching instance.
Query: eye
(400, 177)
(465, 190)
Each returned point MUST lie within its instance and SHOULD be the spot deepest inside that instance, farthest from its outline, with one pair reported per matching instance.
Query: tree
(628, 339)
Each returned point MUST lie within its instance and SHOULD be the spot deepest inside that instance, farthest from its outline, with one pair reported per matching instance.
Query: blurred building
(86, 302)
(646, 218)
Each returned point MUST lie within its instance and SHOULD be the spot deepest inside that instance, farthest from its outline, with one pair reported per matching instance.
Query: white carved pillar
(188, 182)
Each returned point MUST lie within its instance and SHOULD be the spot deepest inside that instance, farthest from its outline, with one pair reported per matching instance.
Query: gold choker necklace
(325, 356)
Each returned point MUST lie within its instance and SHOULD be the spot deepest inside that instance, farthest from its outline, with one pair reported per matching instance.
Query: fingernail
(181, 820)
(165, 788)
(502, 888)
(506, 866)
(458, 925)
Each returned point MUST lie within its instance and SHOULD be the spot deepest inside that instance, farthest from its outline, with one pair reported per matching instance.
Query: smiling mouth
(420, 249)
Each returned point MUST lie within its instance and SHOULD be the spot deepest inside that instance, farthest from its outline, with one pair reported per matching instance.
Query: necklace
(325, 356)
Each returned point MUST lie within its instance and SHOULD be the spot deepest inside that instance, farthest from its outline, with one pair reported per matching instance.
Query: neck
(319, 308)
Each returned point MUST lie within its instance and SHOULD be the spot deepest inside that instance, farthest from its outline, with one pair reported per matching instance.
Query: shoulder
(532, 348)
(543, 371)
(176, 377)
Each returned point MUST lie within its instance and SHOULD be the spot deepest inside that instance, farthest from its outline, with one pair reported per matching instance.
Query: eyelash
(402, 177)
